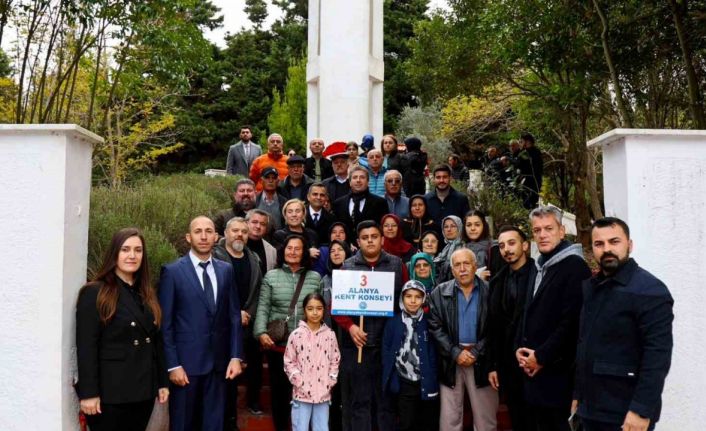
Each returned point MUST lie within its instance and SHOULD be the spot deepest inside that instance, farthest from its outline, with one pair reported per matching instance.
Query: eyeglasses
(389, 225)
(421, 265)
(393, 181)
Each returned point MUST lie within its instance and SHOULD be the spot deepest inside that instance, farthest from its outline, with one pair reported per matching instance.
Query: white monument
(45, 184)
(655, 180)
(345, 70)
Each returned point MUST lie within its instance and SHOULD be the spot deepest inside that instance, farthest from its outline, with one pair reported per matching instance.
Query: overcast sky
(234, 18)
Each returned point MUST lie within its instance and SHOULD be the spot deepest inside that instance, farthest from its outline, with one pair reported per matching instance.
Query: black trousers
(362, 391)
(511, 388)
(122, 417)
(252, 376)
(589, 425)
(548, 418)
(413, 413)
(281, 390)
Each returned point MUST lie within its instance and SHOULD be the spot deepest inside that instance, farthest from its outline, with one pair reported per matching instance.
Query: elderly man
(274, 158)
(396, 203)
(377, 172)
(248, 276)
(457, 321)
(242, 154)
(296, 185)
(317, 167)
(625, 338)
(269, 200)
(549, 331)
(360, 204)
(337, 186)
(243, 201)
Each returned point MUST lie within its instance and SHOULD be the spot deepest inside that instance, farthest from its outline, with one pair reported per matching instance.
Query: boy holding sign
(361, 382)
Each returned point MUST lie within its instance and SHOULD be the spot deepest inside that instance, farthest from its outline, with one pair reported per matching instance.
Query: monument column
(655, 180)
(345, 69)
(46, 183)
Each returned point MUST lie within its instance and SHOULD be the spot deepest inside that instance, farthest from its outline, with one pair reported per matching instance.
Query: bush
(161, 207)
(501, 204)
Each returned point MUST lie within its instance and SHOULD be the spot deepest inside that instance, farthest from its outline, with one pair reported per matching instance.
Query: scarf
(443, 259)
(428, 282)
(396, 246)
(357, 198)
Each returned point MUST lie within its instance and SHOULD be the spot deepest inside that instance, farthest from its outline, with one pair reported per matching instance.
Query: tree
(288, 115)
(257, 12)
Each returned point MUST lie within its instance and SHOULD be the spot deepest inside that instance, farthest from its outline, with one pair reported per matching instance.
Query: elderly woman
(392, 241)
(337, 232)
(421, 268)
(418, 222)
(121, 364)
(294, 213)
(277, 294)
(430, 243)
(452, 228)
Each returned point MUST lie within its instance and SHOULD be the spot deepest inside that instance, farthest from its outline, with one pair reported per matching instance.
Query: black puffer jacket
(443, 325)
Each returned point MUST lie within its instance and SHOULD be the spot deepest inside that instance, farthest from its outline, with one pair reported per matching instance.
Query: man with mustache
(243, 201)
(625, 337)
(232, 248)
(508, 291)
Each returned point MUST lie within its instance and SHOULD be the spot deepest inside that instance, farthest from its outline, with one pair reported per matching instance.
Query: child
(311, 363)
(409, 363)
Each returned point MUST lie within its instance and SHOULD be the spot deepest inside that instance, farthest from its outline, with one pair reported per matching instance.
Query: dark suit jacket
(335, 190)
(375, 207)
(194, 338)
(123, 361)
(326, 219)
(310, 168)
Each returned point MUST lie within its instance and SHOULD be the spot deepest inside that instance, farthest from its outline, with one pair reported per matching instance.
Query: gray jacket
(237, 163)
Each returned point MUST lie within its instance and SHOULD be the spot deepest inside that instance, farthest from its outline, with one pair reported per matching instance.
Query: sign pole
(360, 349)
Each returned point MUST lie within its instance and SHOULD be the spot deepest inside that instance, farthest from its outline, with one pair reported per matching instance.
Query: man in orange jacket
(274, 157)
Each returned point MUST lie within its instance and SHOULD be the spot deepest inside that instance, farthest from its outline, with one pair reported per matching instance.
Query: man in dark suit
(337, 185)
(317, 166)
(202, 331)
(317, 218)
(359, 204)
(625, 337)
(549, 331)
(242, 154)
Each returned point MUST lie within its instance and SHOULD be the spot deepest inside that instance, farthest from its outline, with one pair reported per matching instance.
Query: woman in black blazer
(121, 364)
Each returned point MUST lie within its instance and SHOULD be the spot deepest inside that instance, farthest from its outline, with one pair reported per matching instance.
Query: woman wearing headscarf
(430, 243)
(337, 231)
(418, 222)
(393, 242)
(421, 268)
(452, 228)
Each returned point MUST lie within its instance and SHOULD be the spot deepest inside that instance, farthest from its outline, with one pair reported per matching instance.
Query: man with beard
(248, 276)
(360, 204)
(508, 291)
(549, 330)
(625, 337)
(242, 154)
(444, 200)
(243, 201)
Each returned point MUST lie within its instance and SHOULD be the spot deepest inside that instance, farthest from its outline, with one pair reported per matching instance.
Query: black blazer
(375, 207)
(326, 219)
(123, 361)
(310, 168)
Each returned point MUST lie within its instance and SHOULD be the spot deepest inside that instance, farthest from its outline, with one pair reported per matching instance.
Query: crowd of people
(474, 313)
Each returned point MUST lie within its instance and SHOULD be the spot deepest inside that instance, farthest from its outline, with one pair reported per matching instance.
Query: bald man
(202, 331)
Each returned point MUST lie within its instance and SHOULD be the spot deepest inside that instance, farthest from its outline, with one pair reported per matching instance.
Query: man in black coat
(359, 204)
(317, 218)
(444, 200)
(337, 185)
(531, 167)
(508, 292)
(625, 337)
(317, 167)
(547, 338)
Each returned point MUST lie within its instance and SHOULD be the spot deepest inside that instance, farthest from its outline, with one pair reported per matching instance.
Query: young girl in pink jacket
(311, 363)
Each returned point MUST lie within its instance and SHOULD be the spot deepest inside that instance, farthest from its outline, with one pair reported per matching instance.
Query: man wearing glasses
(396, 203)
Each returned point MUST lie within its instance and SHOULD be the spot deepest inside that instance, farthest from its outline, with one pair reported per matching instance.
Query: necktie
(317, 169)
(316, 219)
(246, 149)
(208, 288)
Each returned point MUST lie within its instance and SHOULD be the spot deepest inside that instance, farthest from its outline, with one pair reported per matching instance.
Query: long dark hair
(106, 278)
(306, 260)
(313, 296)
(486, 229)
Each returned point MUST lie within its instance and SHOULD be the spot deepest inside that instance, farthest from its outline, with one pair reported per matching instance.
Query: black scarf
(357, 198)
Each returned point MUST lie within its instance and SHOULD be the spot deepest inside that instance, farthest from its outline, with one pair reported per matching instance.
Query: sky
(234, 18)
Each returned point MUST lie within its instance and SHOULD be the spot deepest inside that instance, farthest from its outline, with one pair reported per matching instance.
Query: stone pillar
(345, 70)
(45, 181)
(655, 180)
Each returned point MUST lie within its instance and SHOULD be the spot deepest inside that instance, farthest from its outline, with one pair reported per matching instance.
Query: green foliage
(288, 115)
(425, 122)
(5, 65)
(161, 206)
(257, 12)
(504, 207)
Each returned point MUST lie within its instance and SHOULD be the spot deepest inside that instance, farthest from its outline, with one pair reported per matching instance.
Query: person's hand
(493, 379)
(163, 395)
(91, 406)
(244, 318)
(574, 406)
(483, 273)
(359, 336)
(633, 422)
(528, 361)
(234, 369)
(314, 252)
(179, 377)
(465, 359)
(266, 342)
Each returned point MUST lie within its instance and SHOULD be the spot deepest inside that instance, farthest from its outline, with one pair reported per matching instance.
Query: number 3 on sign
(363, 280)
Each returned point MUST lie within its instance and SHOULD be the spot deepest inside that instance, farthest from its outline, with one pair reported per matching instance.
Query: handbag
(278, 329)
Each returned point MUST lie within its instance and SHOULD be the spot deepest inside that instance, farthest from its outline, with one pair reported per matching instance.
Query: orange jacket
(265, 160)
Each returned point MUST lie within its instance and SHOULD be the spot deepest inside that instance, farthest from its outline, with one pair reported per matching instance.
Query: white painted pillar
(345, 70)
(655, 180)
(45, 182)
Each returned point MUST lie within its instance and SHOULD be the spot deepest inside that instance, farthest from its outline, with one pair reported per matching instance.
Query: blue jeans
(305, 413)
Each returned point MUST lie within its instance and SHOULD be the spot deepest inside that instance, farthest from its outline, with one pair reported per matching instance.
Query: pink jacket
(311, 363)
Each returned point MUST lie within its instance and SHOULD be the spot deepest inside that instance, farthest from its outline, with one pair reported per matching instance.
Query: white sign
(362, 293)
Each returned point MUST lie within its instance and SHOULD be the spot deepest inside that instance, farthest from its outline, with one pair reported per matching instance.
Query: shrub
(498, 203)
(161, 207)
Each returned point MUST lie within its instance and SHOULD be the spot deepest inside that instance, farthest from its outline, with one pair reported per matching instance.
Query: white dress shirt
(209, 270)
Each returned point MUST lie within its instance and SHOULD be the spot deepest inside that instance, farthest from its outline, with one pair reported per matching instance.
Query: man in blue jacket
(625, 337)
